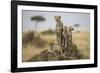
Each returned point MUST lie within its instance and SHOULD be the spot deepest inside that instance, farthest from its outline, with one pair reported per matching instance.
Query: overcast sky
(68, 19)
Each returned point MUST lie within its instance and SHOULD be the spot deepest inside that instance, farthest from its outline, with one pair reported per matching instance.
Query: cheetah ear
(71, 28)
(59, 17)
(56, 18)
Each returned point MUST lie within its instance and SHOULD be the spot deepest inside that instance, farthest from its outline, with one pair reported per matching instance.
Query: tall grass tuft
(27, 37)
(30, 38)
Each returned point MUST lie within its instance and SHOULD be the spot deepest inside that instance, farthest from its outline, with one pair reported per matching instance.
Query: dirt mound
(68, 53)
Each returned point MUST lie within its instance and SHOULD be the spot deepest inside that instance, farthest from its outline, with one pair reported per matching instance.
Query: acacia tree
(76, 25)
(37, 19)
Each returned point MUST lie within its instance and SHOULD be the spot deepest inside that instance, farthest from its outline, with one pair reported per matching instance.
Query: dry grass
(49, 38)
(30, 51)
(81, 39)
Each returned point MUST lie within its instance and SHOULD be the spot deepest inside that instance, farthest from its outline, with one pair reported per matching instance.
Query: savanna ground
(36, 44)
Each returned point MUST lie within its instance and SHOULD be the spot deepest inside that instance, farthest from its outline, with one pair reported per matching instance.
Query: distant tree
(76, 25)
(37, 19)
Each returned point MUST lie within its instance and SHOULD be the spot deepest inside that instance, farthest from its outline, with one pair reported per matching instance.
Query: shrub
(27, 37)
(72, 52)
(49, 31)
(31, 39)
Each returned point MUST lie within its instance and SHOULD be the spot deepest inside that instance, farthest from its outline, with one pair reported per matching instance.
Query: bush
(49, 31)
(72, 52)
(27, 37)
(31, 39)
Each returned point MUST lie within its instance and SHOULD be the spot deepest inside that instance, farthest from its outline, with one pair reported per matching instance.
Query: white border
(53, 63)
